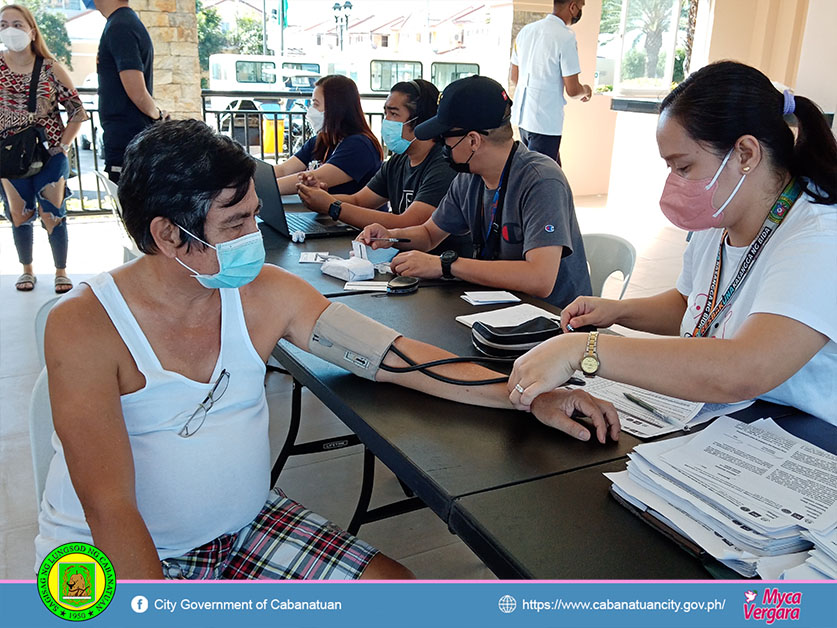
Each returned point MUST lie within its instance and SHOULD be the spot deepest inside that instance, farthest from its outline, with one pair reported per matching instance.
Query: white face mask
(316, 118)
(15, 39)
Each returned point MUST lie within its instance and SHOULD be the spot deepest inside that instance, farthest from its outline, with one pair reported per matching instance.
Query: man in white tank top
(156, 380)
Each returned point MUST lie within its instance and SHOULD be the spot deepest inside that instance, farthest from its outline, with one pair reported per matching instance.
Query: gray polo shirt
(538, 212)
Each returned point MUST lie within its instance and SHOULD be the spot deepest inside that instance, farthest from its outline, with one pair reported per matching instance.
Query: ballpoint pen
(652, 410)
(389, 239)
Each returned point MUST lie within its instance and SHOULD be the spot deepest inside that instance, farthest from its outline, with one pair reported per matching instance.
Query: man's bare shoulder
(274, 283)
(79, 323)
(276, 302)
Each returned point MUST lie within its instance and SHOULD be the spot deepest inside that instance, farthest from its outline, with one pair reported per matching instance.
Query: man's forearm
(507, 274)
(419, 238)
(491, 395)
(126, 541)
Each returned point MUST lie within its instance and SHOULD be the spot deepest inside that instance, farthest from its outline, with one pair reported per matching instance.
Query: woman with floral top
(47, 189)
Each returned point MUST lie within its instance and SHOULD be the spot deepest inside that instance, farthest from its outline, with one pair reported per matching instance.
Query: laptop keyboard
(297, 222)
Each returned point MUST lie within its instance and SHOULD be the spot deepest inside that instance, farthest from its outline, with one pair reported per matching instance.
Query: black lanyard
(777, 214)
(486, 243)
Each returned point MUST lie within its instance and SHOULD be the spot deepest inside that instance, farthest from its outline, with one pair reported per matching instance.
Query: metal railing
(273, 130)
(258, 119)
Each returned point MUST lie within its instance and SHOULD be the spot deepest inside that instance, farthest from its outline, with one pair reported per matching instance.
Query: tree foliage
(651, 18)
(248, 38)
(53, 29)
(211, 39)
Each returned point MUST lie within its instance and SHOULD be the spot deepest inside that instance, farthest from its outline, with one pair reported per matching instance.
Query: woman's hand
(310, 179)
(544, 368)
(556, 409)
(590, 311)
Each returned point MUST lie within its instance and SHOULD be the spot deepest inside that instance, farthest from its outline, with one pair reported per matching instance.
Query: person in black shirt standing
(125, 66)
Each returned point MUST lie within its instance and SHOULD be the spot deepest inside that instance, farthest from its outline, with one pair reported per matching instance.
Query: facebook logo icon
(139, 604)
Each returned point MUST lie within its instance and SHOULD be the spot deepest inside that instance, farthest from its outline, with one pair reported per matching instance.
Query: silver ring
(518, 388)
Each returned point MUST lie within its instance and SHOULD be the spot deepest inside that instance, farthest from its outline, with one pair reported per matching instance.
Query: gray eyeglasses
(199, 415)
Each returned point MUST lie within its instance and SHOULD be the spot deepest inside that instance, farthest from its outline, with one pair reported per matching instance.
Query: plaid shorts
(285, 541)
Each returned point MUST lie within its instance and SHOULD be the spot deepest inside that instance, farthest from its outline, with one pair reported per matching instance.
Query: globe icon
(507, 604)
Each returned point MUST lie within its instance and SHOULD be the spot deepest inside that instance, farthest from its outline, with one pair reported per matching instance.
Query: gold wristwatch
(590, 360)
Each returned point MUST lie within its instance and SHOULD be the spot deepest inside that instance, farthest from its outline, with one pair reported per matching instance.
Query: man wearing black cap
(515, 203)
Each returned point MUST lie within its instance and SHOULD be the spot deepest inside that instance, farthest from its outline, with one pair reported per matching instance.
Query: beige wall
(766, 34)
(816, 76)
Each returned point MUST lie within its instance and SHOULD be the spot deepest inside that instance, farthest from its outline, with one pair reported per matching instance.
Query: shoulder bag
(24, 153)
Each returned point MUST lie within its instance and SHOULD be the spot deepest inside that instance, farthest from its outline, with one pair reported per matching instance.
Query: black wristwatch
(448, 258)
(334, 210)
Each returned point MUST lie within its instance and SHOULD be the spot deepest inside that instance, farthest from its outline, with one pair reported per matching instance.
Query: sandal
(23, 280)
(62, 284)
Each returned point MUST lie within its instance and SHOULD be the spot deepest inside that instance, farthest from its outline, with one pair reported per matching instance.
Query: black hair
(422, 99)
(176, 170)
(725, 100)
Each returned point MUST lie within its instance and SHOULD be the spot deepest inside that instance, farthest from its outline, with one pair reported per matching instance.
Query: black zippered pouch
(514, 341)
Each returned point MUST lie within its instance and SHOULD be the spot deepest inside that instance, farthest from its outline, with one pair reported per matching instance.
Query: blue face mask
(391, 132)
(240, 261)
(89, 4)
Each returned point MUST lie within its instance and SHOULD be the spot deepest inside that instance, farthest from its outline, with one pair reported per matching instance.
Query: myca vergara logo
(773, 605)
(76, 581)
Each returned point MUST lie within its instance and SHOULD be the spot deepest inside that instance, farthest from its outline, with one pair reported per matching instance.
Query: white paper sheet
(507, 316)
(313, 257)
(635, 419)
(359, 286)
(489, 297)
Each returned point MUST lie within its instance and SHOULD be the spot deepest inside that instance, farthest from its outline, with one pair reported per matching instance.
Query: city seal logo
(76, 581)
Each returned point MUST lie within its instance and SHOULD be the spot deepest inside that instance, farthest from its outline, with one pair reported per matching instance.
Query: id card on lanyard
(486, 238)
(714, 306)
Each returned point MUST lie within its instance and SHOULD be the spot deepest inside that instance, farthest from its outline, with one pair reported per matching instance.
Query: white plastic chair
(40, 433)
(607, 254)
(129, 248)
(40, 325)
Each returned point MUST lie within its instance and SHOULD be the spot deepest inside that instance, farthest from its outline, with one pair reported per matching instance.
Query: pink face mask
(687, 203)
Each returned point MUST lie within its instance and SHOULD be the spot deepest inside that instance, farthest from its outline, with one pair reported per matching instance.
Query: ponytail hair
(725, 100)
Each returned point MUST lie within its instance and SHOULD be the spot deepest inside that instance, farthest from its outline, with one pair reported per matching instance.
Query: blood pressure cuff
(351, 340)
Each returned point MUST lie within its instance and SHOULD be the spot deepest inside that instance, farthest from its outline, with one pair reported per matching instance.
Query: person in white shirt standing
(544, 64)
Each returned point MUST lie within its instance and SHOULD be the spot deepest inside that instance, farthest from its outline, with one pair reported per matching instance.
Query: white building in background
(85, 30)
(405, 29)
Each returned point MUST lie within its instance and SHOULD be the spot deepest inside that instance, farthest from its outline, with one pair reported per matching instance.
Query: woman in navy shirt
(345, 153)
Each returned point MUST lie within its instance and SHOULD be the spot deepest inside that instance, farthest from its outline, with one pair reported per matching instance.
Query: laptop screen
(272, 212)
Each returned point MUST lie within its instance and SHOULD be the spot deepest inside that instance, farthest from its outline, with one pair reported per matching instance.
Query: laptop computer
(312, 224)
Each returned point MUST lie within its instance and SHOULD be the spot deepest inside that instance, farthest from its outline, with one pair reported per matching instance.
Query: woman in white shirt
(754, 312)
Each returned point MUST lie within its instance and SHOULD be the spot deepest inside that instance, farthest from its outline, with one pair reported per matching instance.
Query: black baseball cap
(475, 103)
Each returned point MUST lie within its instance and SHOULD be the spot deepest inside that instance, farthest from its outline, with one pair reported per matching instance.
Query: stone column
(172, 25)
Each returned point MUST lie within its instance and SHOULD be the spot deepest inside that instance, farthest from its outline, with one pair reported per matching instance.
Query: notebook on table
(312, 224)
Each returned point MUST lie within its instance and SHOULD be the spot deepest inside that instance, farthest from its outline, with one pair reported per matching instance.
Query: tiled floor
(327, 483)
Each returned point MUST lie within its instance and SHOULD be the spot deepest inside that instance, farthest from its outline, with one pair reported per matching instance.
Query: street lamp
(341, 19)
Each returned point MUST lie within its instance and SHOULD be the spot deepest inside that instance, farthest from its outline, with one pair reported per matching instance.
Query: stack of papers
(490, 297)
(753, 496)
